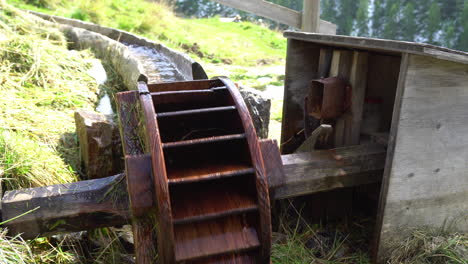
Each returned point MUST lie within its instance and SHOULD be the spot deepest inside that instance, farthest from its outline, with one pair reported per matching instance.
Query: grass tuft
(431, 246)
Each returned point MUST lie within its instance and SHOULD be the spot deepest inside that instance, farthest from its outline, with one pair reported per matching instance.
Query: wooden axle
(104, 202)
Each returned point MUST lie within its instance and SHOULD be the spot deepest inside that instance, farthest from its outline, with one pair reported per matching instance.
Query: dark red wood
(154, 147)
(261, 180)
(141, 194)
(144, 233)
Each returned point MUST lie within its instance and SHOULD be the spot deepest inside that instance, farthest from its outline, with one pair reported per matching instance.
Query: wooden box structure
(422, 96)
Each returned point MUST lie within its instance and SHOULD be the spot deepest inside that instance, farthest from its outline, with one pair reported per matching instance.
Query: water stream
(155, 65)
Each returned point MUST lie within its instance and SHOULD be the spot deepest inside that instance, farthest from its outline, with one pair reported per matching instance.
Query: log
(104, 202)
(67, 207)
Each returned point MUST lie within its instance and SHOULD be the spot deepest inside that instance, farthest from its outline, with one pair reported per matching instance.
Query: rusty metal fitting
(328, 98)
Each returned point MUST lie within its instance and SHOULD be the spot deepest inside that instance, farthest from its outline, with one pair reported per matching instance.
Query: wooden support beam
(324, 170)
(67, 207)
(285, 15)
(311, 16)
(104, 202)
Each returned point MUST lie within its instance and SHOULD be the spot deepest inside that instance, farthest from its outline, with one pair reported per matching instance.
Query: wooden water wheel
(209, 187)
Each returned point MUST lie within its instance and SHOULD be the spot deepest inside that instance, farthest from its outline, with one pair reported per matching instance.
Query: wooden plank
(358, 81)
(380, 45)
(425, 180)
(327, 27)
(278, 13)
(382, 82)
(325, 61)
(301, 68)
(67, 207)
(267, 9)
(341, 67)
(311, 16)
(164, 221)
(324, 170)
(144, 233)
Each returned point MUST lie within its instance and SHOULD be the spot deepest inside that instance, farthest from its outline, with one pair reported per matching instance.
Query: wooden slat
(341, 67)
(302, 67)
(208, 238)
(183, 86)
(241, 258)
(278, 13)
(196, 111)
(226, 173)
(189, 100)
(206, 200)
(202, 141)
(358, 81)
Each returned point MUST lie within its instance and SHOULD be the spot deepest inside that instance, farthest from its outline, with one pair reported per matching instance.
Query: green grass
(209, 39)
(42, 84)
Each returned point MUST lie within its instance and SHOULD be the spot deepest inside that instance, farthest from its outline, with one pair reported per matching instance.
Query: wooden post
(311, 16)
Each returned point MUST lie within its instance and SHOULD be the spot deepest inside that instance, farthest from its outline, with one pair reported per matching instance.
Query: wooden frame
(423, 89)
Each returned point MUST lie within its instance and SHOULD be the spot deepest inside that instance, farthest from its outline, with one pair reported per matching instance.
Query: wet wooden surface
(144, 234)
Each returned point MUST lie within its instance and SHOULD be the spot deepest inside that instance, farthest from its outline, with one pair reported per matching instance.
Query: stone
(259, 107)
(100, 146)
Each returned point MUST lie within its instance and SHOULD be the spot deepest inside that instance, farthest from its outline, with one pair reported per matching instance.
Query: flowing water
(155, 65)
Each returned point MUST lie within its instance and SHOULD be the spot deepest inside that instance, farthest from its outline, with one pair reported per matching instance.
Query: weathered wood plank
(425, 182)
(381, 45)
(278, 13)
(325, 61)
(301, 68)
(358, 81)
(104, 202)
(67, 207)
(311, 16)
(143, 224)
(324, 170)
(341, 67)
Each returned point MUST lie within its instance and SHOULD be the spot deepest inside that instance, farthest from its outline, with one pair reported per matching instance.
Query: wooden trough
(198, 183)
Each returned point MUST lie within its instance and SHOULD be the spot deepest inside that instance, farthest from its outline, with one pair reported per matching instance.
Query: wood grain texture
(259, 167)
(231, 234)
(358, 81)
(302, 65)
(324, 170)
(67, 207)
(341, 67)
(382, 82)
(273, 163)
(164, 212)
(144, 233)
(425, 182)
(380, 45)
(311, 16)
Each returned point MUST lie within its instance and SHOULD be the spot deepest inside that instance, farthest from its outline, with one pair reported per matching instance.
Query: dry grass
(42, 84)
(431, 246)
